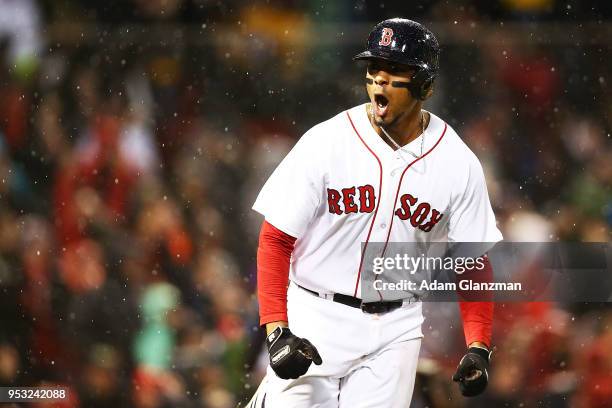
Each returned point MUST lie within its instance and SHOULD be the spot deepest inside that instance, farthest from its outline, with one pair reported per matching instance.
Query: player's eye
(398, 69)
(373, 69)
(375, 66)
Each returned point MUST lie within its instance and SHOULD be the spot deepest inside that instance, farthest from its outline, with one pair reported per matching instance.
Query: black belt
(367, 307)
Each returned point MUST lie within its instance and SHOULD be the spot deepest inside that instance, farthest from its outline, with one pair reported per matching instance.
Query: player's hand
(471, 373)
(290, 356)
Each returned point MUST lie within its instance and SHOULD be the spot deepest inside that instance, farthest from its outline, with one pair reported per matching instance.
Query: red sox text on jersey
(362, 199)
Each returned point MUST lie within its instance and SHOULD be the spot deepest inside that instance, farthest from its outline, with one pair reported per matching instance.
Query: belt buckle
(374, 307)
(380, 307)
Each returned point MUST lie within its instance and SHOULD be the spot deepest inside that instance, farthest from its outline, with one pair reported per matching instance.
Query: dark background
(134, 136)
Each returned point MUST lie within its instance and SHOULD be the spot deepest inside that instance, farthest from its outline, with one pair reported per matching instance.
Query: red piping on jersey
(377, 204)
(400, 184)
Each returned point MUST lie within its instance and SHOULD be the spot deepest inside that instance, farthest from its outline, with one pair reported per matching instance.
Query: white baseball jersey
(341, 185)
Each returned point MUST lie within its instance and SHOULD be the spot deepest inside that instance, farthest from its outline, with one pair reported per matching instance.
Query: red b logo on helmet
(385, 39)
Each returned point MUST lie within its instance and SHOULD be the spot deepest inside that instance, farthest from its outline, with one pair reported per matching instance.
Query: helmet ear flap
(420, 83)
(426, 89)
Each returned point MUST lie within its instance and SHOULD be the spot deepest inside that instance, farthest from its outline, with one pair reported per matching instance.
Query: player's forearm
(477, 311)
(477, 320)
(273, 259)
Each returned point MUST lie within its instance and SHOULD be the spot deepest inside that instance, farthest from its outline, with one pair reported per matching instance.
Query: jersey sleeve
(292, 194)
(476, 307)
(472, 218)
(273, 258)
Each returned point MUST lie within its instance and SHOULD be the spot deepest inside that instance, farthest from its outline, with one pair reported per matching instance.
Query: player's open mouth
(381, 103)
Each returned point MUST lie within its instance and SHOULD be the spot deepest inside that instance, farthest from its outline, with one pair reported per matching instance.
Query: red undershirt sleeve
(476, 309)
(273, 258)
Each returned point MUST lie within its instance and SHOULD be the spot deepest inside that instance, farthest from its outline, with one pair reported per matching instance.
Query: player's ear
(429, 91)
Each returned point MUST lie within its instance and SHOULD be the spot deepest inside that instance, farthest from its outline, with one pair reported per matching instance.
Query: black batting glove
(472, 374)
(290, 356)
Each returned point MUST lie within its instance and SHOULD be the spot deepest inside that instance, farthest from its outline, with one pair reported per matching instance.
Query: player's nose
(381, 78)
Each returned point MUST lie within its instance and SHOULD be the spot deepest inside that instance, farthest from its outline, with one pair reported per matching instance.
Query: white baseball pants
(369, 360)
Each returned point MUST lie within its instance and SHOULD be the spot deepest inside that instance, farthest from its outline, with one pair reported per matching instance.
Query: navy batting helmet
(405, 42)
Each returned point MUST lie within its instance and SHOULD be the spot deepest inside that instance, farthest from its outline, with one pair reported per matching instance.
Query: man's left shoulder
(457, 151)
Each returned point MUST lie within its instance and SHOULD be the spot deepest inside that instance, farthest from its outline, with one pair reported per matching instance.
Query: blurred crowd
(131, 152)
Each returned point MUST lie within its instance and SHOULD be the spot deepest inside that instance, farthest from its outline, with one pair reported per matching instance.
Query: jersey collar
(432, 133)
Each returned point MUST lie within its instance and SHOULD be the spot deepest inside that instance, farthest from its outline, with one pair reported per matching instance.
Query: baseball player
(384, 171)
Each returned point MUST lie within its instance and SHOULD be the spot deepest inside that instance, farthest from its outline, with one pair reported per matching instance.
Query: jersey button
(383, 225)
(393, 173)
